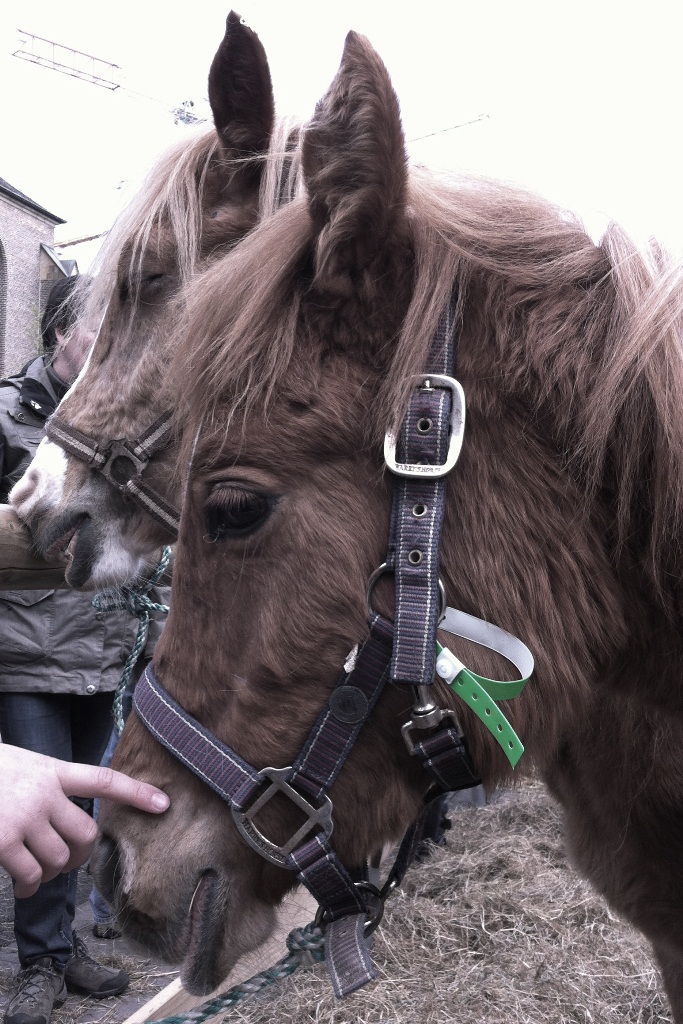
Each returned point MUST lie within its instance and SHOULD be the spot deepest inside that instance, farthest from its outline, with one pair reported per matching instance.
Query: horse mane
(589, 336)
(592, 335)
(172, 194)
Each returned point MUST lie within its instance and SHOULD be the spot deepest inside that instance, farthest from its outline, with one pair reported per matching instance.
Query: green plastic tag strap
(469, 687)
(478, 692)
(475, 696)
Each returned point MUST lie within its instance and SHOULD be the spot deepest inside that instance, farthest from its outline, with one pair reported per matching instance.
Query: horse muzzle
(190, 932)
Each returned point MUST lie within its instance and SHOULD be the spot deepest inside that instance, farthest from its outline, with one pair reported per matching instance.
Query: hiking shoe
(40, 988)
(85, 975)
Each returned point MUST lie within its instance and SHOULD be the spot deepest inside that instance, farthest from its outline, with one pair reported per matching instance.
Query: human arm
(42, 832)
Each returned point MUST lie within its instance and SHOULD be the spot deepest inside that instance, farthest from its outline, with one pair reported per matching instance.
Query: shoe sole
(81, 991)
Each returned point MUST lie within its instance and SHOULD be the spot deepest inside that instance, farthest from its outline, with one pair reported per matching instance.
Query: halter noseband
(405, 652)
(122, 462)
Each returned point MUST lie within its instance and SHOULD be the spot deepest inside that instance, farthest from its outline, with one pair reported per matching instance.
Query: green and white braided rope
(305, 945)
(136, 602)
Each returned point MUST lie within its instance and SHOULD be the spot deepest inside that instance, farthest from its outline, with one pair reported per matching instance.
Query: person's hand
(42, 832)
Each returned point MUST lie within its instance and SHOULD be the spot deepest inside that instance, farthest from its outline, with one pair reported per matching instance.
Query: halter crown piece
(405, 651)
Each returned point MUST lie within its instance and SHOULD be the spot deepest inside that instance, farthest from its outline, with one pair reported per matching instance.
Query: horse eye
(142, 288)
(233, 512)
(151, 285)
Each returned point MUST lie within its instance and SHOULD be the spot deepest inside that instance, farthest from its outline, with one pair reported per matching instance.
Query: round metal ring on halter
(384, 568)
(374, 912)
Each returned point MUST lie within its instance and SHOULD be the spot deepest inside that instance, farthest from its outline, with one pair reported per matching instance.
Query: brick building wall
(24, 228)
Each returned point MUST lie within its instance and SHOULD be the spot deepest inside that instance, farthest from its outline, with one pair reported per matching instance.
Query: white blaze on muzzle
(42, 485)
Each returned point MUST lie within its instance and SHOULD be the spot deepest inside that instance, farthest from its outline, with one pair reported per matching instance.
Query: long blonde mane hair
(172, 194)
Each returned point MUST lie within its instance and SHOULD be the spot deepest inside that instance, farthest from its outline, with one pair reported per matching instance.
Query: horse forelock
(172, 198)
(169, 188)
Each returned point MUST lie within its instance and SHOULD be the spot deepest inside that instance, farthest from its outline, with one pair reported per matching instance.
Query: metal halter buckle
(317, 817)
(121, 464)
(457, 428)
(425, 715)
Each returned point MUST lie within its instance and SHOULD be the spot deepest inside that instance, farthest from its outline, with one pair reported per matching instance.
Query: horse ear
(241, 92)
(355, 167)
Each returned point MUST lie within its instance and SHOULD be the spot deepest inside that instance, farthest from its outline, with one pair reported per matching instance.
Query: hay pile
(494, 929)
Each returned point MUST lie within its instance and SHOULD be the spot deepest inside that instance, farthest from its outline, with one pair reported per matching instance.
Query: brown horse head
(561, 523)
(196, 204)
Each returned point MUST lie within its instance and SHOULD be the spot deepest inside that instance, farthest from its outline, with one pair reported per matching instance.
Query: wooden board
(20, 568)
(297, 910)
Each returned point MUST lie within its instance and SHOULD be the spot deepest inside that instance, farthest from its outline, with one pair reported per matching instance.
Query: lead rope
(305, 945)
(136, 602)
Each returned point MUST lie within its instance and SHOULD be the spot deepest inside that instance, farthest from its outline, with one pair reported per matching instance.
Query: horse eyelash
(223, 496)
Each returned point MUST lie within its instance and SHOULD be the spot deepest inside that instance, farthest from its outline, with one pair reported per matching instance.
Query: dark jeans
(70, 727)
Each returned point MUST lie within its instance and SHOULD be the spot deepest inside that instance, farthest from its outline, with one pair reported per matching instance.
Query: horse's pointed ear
(355, 167)
(241, 92)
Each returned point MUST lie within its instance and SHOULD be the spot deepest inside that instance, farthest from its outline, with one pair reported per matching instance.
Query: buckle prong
(427, 382)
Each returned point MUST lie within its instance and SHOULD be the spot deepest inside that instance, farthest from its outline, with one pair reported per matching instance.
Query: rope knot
(123, 599)
(307, 940)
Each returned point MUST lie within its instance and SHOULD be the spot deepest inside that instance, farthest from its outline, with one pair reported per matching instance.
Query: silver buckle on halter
(320, 817)
(425, 715)
(121, 465)
(427, 471)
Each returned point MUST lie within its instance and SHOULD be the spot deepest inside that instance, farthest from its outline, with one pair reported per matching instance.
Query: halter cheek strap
(420, 459)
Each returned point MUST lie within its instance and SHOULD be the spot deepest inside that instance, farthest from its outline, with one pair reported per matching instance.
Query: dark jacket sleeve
(16, 451)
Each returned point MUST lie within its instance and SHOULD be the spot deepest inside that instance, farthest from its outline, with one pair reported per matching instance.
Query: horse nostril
(105, 864)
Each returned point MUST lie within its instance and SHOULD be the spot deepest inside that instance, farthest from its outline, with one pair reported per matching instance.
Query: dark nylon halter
(122, 462)
(403, 652)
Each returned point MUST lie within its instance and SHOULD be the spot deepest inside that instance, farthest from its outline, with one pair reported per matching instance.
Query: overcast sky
(582, 100)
